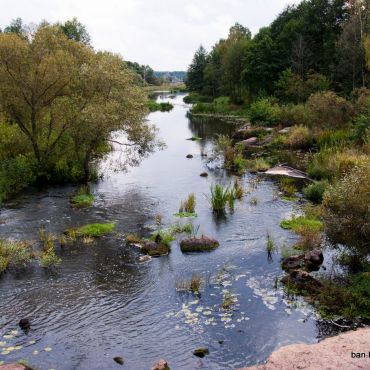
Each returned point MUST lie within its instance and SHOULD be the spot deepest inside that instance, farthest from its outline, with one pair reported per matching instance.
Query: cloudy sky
(162, 33)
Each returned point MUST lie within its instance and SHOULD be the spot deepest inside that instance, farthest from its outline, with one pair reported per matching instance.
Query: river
(104, 303)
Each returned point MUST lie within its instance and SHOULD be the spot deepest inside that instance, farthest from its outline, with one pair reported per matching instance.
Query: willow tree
(68, 101)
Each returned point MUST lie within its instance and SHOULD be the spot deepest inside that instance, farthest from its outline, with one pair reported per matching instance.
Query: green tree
(195, 75)
(76, 31)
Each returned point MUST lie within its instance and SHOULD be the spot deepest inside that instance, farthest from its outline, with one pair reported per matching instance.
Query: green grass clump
(256, 165)
(83, 198)
(298, 223)
(166, 236)
(219, 197)
(287, 187)
(193, 285)
(15, 254)
(162, 107)
(185, 214)
(91, 230)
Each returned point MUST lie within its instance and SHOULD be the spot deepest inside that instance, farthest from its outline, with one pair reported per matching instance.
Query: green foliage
(264, 112)
(166, 236)
(16, 174)
(346, 209)
(288, 187)
(15, 254)
(83, 198)
(91, 230)
(315, 191)
(299, 137)
(334, 138)
(185, 214)
(295, 114)
(162, 107)
(256, 165)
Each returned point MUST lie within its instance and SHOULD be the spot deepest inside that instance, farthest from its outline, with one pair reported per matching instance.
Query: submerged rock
(154, 249)
(201, 352)
(161, 365)
(119, 360)
(204, 174)
(302, 280)
(15, 367)
(198, 244)
(25, 324)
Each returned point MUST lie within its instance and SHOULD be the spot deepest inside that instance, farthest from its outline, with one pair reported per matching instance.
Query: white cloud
(163, 34)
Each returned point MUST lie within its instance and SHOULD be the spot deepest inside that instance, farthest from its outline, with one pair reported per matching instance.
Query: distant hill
(172, 76)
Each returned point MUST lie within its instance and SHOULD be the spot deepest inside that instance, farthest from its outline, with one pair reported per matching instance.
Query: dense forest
(302, 86)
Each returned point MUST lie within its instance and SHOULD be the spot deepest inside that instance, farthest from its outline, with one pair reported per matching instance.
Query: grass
(166, 236)
(15, 254)
(220, 196)
(257, 165)
(83, 198)
(253, 201)
(297, 223)
(48, 257)
(238, 189)
(287, 187)
(185, 214)
(188, 205)
(91, 230)
(315, 191)
(133, 239)
(228, 301)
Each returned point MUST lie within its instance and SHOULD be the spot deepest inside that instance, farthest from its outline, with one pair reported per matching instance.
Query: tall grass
(188, 205)
(219, 198)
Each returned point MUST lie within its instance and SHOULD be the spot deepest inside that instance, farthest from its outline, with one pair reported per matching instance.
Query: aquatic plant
(162, 107)
(194, 230)
(238, 189)
(193, 285)
(165, 236)
(188, 205)
(218, 198)
(253, 201)
(287, 187)
(91, 230)
(15, 254)
(228, 301)
(296, 223)
(83, 198)
(49, 259)
(133, 239)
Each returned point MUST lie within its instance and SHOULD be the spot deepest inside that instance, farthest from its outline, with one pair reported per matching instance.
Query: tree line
(314, 46)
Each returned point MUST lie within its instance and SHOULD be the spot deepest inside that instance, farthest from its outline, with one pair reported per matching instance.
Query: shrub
(264, 112)
(299, 137)
(162, 107)
(346, 209)
(200, 108)
(15, 174)
(315, 191)
(295, 114)
(329, 109)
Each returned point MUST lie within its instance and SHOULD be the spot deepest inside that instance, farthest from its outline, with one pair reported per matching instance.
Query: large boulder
(201, 244)
(293, 262)
(161, 365)
(310, 261)
(201, 352)
(250, 142)
(314, 259)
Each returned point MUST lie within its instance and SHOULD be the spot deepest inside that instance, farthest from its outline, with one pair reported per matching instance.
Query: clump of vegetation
(346, 209)
(299, 137)
(256, 165)
(15, 254)
(238, 190)
(264, 112)
(219, 198)
(91, 230)
(287, 187)
(133, 239)
(315, 191)
(193, 285)
(48, 257)
(188, 205)
(253, 201)
(162, 107)
(297, 223)
(165, 236)
(83, 198)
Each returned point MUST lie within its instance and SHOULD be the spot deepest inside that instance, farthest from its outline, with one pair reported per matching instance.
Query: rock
(154, 249)
(119, 360)
(285, 130)
(302, 280)
(314, 259)
(161, 365)
(286, 171)
(204, 154)
(25, 324)
(204, 174)
(201, 352)
(189, 156)
(329, 354)
(293, 263)
(143, 259)
(250, 142)
(15, 367)
(198, 244)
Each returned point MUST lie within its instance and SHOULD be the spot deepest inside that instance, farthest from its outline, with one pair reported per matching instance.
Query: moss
(297, 223)
(202, 244)
(91, 230)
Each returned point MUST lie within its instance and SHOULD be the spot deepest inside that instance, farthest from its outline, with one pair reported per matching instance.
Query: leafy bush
(346, 209)
(333, 139)
(16, 174)
(329, 109)
(264, 112)
(315, 191)
(163, 107)
(295, 114)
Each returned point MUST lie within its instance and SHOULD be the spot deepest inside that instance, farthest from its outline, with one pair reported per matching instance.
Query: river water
(103, 302)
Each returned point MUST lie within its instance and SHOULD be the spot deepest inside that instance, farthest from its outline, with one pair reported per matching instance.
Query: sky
(163, 34)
